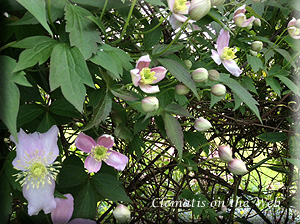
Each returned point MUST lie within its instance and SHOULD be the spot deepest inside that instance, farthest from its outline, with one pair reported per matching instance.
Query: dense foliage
(78, 65)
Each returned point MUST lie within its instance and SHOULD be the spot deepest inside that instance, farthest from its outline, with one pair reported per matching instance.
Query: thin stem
(103, 10)
(126, 23)
(7, 45)
(49, 16)
(234, 199)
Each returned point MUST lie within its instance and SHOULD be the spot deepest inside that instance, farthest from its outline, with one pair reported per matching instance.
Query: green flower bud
(201, 124)
(199, 8)
(254, 53)
(213, 75)
(256, 46)
(200, 75)
(218, 90)
(150, 104)
(257, 22)
(188, 64)
(121, 213)
(181, 89)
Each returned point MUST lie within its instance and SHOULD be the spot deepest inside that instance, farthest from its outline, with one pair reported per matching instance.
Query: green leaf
(6, 200)
(273, 136)
(197, 140)
(47, 122)
(38, 10)
(109, 187)
(72, 173)
(279, 170)
(28, 112)
(242, 93)
(292, 86)
(286, 55)
(106, 61)
(123, 94)
(83, 33)
(180, 73)
(100, 112)
(159, 49)
(85, 202)
(255, 62)
(155, 2)
(38, 53)
(69, 71)
(259, 164)
(140, 125)
(9, 93)
(274, 84)
(121, 131)
(63, 108)
(136, 146)
(177, 109)
(152, 37)
(174, 132)
(248, 83)
(295, 162)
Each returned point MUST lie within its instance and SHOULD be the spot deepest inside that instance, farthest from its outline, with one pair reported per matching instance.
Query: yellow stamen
(147, 77)
(99, 153)
(228, 53)
(180, 6)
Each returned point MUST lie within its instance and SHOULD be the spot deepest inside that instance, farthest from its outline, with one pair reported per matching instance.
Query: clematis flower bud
(257, 22)
(188, 64)
(254, 53)
(200, 75)
(237, 167)
(150, 104)
(181, 89)
(239, 19)
(218, 90)
(217, 2)
(213, 75)
(256, 46)
(225, 153)
(121, 213)
(199, 8)
(201, 124)
(293, 28)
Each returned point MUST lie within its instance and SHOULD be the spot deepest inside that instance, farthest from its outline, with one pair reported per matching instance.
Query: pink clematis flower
(35, 158)
(143, 76)
(64, 210)
(225, 55)
(294, 28)
(239, 17)
(100, 151)
(178, 8)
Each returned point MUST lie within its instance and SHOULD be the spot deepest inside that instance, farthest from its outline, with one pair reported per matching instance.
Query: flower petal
(135, 76)
(292, 22)
(64, 210)
(232, 67)
(240, 10)
(171, 4)
(116, 160)
(92, 165)
(106, 140)
(149, 88)
(180, 17)
(82, 221)
(216, 57)
(84, 142)
(174, 22)
(143, 62)
(41, 198)
(248, 21)
(160, 73)
(223, 40)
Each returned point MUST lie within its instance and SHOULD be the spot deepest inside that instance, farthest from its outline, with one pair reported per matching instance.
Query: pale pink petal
(171, 4)
(216, 57)
(143, 62)
(180, 17)
(160, 73)
(248, 21)
(106, 140)
(149, 88)
(188, 4)
(92, 165)
(222, 41)
(292, 22)
(41, 198)
(64, 210)
(84, 142)
(116, 160)
(82, 221)
(135, 76)
(241, 9)
(232, 67)
(174, 22)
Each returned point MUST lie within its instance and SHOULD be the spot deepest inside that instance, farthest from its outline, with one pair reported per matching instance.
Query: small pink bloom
(35, 158)
(294, 28)
(237, 167)
(100, 151)
(225, 55)
(64, 210)
(239, 17)
(121, 213)
(143, 76)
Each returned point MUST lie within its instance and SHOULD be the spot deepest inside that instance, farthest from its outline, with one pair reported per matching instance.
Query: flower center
(180, 6)
(228, 53)
(38, 170)
(147, 77)
(99, 153)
